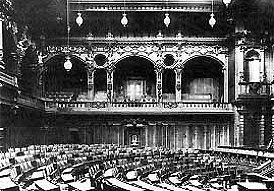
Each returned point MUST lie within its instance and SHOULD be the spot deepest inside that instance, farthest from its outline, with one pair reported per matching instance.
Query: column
(241, 130)
(91, 84)
(196, 137)
(159, 75)
(205, 136)
(146, 134)
(236, 128)
(261, 136)
(223, 135)
(227, 135)
(154, 135)
(214, 137)
(2, 64)
(118, 135)
(225, 73)
(178, 84)
(272, 126)
(109, 84)
(187, 136)
(239, 60)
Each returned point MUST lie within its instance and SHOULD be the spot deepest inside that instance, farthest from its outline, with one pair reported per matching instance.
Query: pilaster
(109, 85)
(241, 130)
(159, 76)
(205, 137)
(196, 137)
(91, 84)
(178, 84)
(262, 130)
(2, 64)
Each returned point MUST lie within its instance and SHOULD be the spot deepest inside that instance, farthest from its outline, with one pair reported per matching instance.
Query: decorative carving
(254, 88)
(170, 105)
(178, 86)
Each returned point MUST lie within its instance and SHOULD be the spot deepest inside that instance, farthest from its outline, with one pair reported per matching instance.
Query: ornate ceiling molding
(134, 5)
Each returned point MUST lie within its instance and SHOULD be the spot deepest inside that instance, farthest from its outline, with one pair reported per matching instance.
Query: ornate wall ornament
(170, 105)
(178, 87)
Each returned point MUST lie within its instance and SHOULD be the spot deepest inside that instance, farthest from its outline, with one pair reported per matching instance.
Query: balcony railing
(139, 107)
(11, 80)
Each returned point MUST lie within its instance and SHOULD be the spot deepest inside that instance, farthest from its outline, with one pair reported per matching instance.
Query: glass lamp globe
(79, 19)
(227, 2)
(212, 20)
(68, 64)
(167, 20)
(124, 20)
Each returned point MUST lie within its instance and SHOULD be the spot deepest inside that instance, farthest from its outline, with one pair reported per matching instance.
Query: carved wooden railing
(166, 107)
(11, 80)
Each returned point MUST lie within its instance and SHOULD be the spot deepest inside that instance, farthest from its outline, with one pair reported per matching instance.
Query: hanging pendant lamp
(226, 2)
(79, 19)
(212, 20)
(124, 20)
(167, 20)
(68, 64)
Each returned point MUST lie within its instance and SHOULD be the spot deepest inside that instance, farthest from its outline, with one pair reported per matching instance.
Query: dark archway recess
(100, 85)
(62, 84)
(202, 80)
(134, 80)
(169, 85)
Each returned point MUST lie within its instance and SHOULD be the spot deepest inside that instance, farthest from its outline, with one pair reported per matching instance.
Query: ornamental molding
(150, 51)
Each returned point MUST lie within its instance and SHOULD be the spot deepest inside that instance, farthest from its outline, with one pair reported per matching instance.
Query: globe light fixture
(226, 2)
(124, 20)
(68, 64)
(167, 20)
(212, 20)
(79, 19)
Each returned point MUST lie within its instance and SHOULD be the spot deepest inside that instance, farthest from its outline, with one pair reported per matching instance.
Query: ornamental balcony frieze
(153, 50)
(139, 107)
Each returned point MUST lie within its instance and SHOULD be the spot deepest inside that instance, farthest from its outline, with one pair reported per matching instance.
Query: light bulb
(79, 19)
(124, 20)
(227, 2)
(167, 20)
(68, 64)
(212, 20)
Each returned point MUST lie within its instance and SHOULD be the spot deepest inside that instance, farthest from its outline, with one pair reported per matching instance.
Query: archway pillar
(2, 64)
(178, 84)
(91, 84)
(225, 81)
(159, 85)
(110, 84)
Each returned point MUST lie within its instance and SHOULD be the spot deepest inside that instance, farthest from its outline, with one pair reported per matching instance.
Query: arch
(203, 79)
(134, 79)
(133, 55)
(182, 64)
(57, 82)
(252, 66)
(50, 56)
(252, 55)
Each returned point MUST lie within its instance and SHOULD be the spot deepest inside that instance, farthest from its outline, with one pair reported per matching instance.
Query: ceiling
(190, 17)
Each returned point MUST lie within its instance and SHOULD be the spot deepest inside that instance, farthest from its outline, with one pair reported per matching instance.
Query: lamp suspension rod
(68, 27)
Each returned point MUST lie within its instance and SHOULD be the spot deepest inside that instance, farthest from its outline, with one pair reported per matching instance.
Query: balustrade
(139, 106)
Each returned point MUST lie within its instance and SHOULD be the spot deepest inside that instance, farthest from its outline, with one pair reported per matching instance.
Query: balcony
(138, 107)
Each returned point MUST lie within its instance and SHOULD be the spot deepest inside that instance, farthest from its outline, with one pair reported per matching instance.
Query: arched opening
(134, 80)
(100, 85)
(202, 80)
(65, 85)
(252, 66)
(169, 85)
